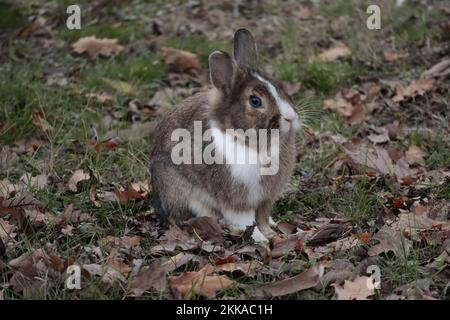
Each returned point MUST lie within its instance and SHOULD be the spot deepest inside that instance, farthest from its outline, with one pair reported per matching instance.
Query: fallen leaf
(334, 53)
(40, 122)
(94, 47)
(7, 231)
(101, 97)
(354, 290)
(286, 227)
(379, 138)
(117, 263)
(31, 27)
(152, 277)
(416, 290)
(39, 182)
(305, 12)
(393, 56)
(108, 274)
(78, 176)
(189, 284)
(239, 268)
(283, 247)
(376, 158)
(67, 230)
(416, 87)
(125, 241)
(183, 61)
(390, 240)
(341, 105)
(415, 155)
(130, 193)
(93, 195)
(177, 261)
(438, 70)
(175, 237)
(206, 228)
(303, 281)
(329, 232)
(38, 218)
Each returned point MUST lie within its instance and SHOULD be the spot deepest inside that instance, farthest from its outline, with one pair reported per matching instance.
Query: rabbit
(242, 97)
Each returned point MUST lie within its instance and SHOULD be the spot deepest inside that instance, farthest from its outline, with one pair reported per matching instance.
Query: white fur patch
(271, 222)
(234, 154)
(258, 236)
(239, 221)
(287, 112)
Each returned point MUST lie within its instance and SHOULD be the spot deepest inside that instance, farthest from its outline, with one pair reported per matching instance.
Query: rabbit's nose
(290, 117)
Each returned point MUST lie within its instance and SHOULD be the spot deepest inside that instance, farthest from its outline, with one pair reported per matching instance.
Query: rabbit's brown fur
(181, 191)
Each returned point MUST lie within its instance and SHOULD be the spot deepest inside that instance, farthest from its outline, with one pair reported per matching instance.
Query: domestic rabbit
(238, 194)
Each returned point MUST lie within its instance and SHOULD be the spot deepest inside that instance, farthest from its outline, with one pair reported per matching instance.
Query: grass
(23, 90)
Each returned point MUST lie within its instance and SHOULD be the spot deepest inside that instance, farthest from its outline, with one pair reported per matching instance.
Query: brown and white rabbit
(238, 194)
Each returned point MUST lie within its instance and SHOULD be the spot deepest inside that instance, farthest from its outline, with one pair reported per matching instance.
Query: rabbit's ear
(221, 70)
(245, 48)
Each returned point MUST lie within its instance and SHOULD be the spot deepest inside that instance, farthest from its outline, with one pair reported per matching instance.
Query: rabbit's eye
(255, 101)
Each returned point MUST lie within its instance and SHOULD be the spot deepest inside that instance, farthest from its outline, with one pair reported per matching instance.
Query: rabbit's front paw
(258, 236)
(272, 223)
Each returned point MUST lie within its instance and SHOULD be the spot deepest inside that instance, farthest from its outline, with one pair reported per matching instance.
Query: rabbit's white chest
(242, 161)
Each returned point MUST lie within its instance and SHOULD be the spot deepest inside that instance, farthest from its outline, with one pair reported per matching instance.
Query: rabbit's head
(247, 97)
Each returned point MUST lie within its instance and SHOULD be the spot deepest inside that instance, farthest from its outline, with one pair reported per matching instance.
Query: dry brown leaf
(415, 155)
(130, 193)
(393, 56)
(334, 53)
(354, 290)
(183, 61)
(412, 224)
(285, 246)
(205, 228)
(174, 238)
(304, 12)
(241, 268)
(117, 263)
(40, 122)
(416, 87)
(341, 105)
(94, 47)
(7, 231)
(379, 138)
(439, 70)
(67, 230)
(101, 97)
(36, 261)
(39, 182)
(107, 196)
(77, 177)
(108, 274)
(376, 158)
(177, 261)
(303, 281)
(153, 277)
(189, 284)
(93, 195)
(390, 239)
(30, 28)
(286, 228)
(125, 241)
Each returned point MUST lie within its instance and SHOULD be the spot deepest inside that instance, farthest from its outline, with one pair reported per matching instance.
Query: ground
(370, 186)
